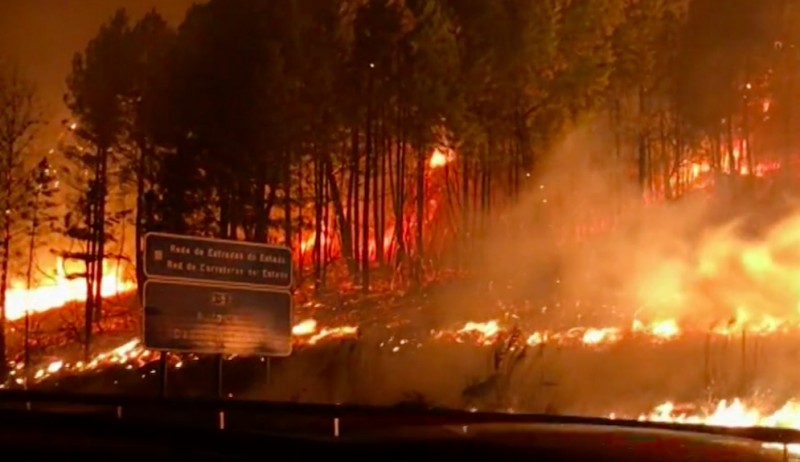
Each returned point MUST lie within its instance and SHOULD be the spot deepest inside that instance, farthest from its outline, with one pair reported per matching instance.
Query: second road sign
(213, 319)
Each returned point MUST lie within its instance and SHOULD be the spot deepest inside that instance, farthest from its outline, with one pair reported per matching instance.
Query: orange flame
(61, 289)
(440, 159)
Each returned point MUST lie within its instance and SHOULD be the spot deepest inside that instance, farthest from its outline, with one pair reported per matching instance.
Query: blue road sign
(217, 319)
(201, 260)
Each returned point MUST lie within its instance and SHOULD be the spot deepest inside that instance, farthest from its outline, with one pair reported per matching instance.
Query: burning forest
(559, 207)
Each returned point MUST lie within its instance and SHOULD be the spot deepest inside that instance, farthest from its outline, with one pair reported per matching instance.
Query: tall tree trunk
(465, 204)
(365, 219)
(100, 230)
(141, 215)
(355, 176)
(664, 164)
(420, 212)
(5, 255)
(326, 219)
(400, 199)
(731, 157)
(378, 153)
(318, 228)
(746, 138)
(4, 288)
(91, 261)
(301, 253)
(342, 220)
(642, 141)
(261, 205)
(287, 201)
(789, 115)
(29, 283)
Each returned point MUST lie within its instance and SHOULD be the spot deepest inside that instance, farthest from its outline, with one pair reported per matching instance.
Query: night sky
(43, 35)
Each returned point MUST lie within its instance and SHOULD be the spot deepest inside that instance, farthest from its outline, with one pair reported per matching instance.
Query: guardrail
(336, 417)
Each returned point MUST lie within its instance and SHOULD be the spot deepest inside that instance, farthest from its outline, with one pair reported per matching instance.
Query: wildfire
(61, 289)
(729, 414)
(489, 332)
(132, 354)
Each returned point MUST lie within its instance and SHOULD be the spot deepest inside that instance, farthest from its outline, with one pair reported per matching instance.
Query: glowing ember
(666, 329)
(604, 335)
(484, 329)
(307, 327)
(483, 333)
(132, 353)
(438, 159)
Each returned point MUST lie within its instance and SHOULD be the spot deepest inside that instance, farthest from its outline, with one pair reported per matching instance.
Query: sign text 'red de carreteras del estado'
(213, 260)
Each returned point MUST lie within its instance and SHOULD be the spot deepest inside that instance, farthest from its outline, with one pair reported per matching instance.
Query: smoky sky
(41, 36)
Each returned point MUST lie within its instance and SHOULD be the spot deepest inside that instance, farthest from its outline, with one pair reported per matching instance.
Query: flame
(730, 414)
(483, 333)
(696, 174)
(594, 336)
(308, 332)
(306, 327)
(132, 354)
(729, 279)
(438, 159)
(60, 289)
(665, 329)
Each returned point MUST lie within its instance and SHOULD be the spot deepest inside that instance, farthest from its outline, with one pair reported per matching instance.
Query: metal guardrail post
(162, 369)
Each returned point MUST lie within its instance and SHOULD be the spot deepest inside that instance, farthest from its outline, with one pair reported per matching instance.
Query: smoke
(582, 236)
(581, 248)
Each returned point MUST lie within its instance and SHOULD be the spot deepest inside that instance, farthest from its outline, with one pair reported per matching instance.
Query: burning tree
(151, 44)
(41, 184)
(100, 79)
(19, 117)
